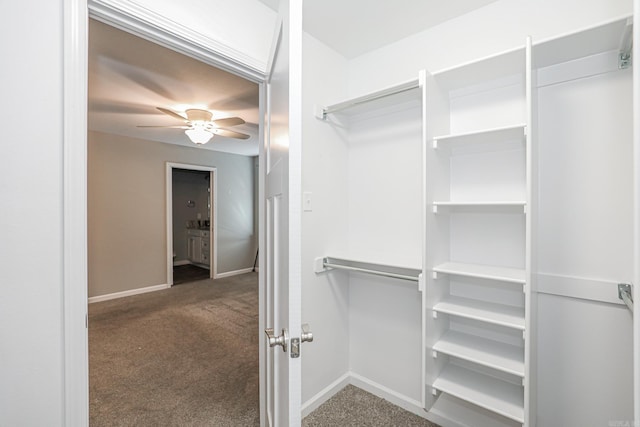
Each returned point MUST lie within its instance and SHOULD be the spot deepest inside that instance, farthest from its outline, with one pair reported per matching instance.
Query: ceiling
(360, 26)
(129, 77)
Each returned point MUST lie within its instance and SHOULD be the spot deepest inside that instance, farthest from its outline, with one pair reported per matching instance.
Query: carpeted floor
(354, 407)
(188, 356)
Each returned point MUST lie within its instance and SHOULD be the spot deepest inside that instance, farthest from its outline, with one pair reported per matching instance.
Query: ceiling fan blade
(230, 134)
(172, 114)
(166, 127)
(229, 121)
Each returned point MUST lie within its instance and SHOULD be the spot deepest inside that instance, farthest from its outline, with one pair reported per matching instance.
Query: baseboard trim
(128, 293)
(325, 394)
(233, 273)
(182, 262)
(386, 393)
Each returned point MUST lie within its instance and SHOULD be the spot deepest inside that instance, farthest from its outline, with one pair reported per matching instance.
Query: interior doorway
(191, 222)
(238, 177)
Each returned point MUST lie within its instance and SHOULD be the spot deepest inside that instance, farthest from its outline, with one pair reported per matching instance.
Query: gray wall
(126, 210)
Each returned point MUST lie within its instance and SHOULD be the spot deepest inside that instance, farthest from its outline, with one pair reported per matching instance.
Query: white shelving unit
(477, 255)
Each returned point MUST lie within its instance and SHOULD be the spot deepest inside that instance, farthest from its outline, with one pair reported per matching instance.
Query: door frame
(144, 23)
(213, 215)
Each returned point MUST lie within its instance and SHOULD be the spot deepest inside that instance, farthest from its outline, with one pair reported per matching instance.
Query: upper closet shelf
(383, 98)
(479, 71)
(506, 133)
(503, 274)
(603, 38)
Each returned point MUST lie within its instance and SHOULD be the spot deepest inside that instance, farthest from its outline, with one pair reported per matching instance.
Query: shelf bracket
(626, 46)
(624, 293)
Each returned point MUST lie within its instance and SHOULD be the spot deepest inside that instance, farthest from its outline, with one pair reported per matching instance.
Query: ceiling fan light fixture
(199, 135)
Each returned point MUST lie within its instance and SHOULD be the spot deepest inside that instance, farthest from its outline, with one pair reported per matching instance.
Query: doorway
(190, 162)
(191, 223)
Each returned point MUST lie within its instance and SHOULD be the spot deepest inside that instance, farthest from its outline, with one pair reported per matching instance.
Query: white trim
(233, 273)
(128, 293)
(75, 344)
(325, 394)
(138, 20)
(398, 399)
(183, 262)
(213, 213)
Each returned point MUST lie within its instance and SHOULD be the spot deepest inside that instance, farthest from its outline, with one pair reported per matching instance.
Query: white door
(280, 315)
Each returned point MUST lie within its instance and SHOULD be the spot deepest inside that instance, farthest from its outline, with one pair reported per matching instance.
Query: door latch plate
(295, 348)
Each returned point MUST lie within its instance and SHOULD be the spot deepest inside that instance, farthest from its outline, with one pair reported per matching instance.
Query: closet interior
(474, 195)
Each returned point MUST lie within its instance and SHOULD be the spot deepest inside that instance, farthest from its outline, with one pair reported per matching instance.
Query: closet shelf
(485, 135)
(403, 273)
(493, 354)
(501, 397)
(503, 274)
(497, 314)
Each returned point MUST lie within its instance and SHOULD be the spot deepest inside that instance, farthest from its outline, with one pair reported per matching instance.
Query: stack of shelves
(477, 253)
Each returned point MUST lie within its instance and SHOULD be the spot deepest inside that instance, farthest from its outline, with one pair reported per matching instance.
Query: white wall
(324, 230)
(31, 217)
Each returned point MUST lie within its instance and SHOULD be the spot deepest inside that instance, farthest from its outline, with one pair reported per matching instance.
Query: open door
(280, 316)
(636, 211)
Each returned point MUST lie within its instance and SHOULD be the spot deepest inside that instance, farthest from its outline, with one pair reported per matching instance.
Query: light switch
(306, 201)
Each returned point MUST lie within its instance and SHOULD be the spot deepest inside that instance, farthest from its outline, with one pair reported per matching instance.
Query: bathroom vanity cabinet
(198, 246)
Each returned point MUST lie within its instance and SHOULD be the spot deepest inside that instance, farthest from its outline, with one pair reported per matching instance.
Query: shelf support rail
(624, 293)
(403, 273)
(324, 111)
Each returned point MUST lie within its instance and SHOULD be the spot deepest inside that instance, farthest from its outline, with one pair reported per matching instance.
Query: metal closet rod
(402, 273)
(414, 84)
(624, 293)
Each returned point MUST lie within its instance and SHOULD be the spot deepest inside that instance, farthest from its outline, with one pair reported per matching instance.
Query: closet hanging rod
(624, 293)
(394, 90)
(402, 273)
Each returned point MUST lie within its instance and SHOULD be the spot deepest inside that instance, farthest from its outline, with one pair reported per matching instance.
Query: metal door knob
(274, 340)
(307, 335)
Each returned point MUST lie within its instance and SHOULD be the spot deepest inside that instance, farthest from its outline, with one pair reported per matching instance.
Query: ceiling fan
(199, 126)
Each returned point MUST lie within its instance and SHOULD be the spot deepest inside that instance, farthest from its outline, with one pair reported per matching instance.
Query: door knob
(274, 340)
(306, 335)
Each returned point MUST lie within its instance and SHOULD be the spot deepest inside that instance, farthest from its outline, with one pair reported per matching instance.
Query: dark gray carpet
(182, 356)
(355, 407)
